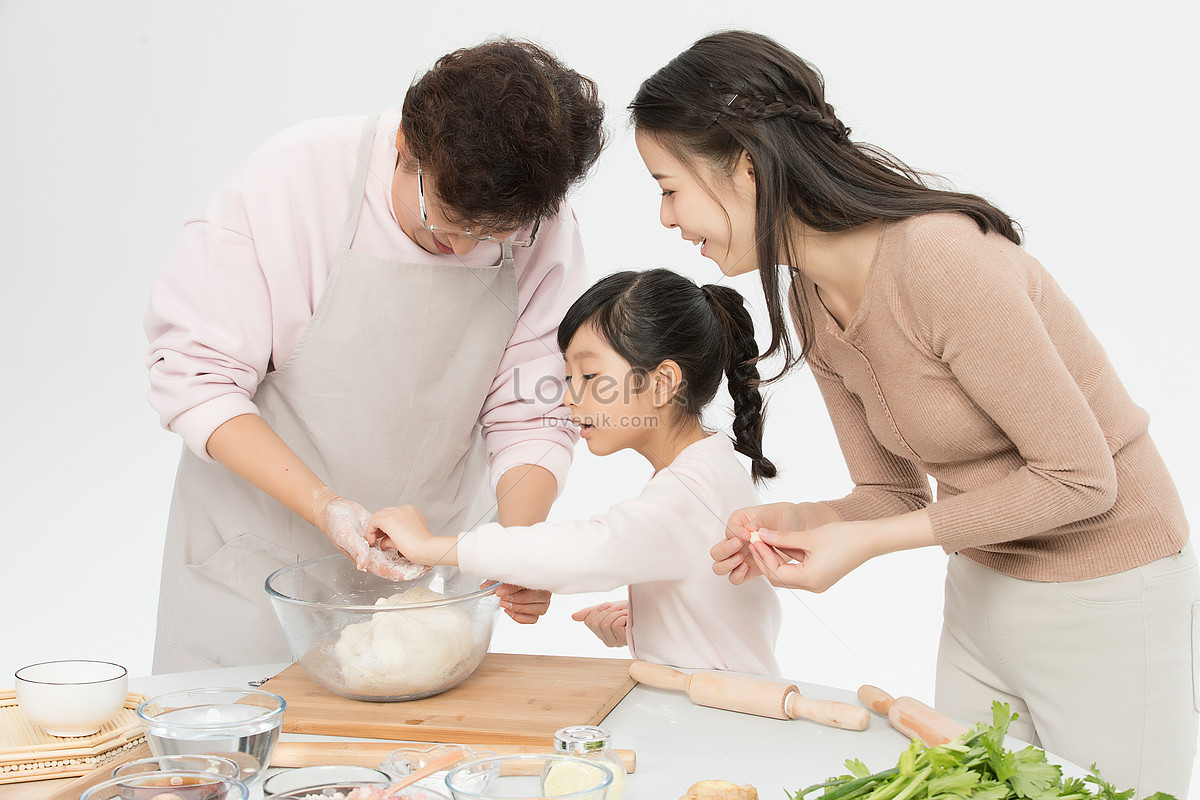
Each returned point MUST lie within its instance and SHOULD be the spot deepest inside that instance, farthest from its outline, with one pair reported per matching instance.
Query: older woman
(355, 318)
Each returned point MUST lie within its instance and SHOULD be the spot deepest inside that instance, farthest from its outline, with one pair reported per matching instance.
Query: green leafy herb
(976, 766)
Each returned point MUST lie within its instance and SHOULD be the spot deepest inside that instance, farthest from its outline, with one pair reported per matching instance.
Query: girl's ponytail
(743, 377)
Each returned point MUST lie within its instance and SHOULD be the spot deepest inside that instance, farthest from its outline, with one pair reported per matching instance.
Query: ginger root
(720, 790)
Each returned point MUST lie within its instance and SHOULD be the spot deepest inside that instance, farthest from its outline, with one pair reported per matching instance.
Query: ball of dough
(405, 652)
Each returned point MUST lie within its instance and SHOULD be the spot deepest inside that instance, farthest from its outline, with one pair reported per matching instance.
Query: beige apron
(381, 398)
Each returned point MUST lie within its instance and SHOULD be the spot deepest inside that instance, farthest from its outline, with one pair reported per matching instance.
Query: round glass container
(595, 744)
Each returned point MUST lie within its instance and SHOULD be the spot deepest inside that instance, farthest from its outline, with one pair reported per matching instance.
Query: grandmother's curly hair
(506, 128)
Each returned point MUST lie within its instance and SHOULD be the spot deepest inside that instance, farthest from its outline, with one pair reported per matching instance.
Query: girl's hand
(732, 556)
(523, 605)
(403, 530)
(346, 524)
(608, 621)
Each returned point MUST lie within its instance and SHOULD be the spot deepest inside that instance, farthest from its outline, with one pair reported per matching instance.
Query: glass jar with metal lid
(594, 743)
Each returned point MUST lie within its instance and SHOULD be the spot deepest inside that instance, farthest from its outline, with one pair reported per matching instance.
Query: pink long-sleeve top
(250, 267)
(680, 612)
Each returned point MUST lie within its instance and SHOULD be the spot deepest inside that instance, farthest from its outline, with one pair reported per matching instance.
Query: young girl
(943, 349)
(645, 353)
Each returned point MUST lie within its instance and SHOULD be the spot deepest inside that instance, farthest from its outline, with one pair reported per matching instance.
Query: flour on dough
(406, 652)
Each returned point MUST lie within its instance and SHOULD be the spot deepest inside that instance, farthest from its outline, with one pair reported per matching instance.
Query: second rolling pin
(912, 717)
(749, 695)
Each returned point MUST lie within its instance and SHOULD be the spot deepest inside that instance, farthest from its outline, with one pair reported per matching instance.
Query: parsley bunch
(974, 766)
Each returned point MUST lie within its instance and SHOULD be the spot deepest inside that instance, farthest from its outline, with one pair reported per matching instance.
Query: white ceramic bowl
(71, 698)
(239, 724)
(382, 653)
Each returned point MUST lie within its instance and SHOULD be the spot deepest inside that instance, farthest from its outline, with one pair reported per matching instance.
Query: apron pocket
(222, 612)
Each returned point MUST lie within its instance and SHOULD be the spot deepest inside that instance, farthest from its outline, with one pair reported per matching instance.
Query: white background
(1076, 118)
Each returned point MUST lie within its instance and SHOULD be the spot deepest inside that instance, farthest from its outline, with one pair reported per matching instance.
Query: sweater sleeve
(641, 540)
(209, 327)
(884, 484)
(524, 420)
(980, 304)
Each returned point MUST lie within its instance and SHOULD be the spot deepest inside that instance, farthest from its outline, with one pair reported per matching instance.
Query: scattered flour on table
(405, 652)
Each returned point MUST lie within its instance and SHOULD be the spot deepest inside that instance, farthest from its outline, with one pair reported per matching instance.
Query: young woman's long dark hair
(652, 316)
(736, 92)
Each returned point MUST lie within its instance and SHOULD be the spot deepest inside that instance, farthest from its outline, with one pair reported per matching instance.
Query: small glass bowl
(333, 789)
(290, 780)
(520, 778)
(175, 784)
(405, 760)
(239, 724)
(214, 765)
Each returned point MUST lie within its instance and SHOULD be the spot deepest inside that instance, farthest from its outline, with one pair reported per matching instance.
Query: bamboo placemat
(27, 753)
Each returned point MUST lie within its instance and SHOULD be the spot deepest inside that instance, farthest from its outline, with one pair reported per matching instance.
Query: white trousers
(1101, 671)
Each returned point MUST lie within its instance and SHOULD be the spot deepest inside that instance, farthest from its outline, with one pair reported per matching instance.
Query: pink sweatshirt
(249, 269)
(680, 611)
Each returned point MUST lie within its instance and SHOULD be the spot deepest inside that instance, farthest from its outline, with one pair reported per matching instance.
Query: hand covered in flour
(404, 530)
(609, 621)
(732, 556)
(347, 523)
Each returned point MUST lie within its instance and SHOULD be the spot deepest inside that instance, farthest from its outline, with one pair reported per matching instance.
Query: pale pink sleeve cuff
(198, 423)
(554, 456)
(470, 560)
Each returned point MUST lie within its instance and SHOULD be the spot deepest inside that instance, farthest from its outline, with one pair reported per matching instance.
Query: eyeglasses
(486, 237)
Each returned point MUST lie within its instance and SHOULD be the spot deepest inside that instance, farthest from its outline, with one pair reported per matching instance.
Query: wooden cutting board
(514, 698)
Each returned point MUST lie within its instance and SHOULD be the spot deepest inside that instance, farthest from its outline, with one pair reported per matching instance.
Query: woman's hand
(345, 522)
(732, 555)
(525, 606)
(609, 621)
(818, 558)
(812, 560)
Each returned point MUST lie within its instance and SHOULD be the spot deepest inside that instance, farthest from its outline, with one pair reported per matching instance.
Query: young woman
(645, 354)
(943, 349)
(340, 327)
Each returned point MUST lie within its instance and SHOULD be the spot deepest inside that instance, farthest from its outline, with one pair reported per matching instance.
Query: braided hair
(648, 317)
(739, 92)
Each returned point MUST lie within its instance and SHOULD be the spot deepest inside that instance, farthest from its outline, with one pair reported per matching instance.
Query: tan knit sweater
(966, 362)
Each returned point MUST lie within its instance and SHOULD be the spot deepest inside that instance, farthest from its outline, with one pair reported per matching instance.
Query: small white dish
(304, 777)
(71, 698)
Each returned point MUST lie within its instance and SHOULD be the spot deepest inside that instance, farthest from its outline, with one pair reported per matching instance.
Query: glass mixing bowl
(241, 725)
(367, 638)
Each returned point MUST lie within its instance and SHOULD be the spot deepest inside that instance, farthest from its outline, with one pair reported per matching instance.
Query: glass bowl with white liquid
(239, 724)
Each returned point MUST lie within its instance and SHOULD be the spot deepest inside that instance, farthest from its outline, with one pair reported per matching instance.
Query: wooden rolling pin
(372, 754)
(912, 717)
(760, 696)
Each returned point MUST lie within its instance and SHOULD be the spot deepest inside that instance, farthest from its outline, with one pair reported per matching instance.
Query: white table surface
(677, 742)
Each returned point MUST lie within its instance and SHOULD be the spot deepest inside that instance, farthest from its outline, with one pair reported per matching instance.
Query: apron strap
(506, 256)
(359, 186)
